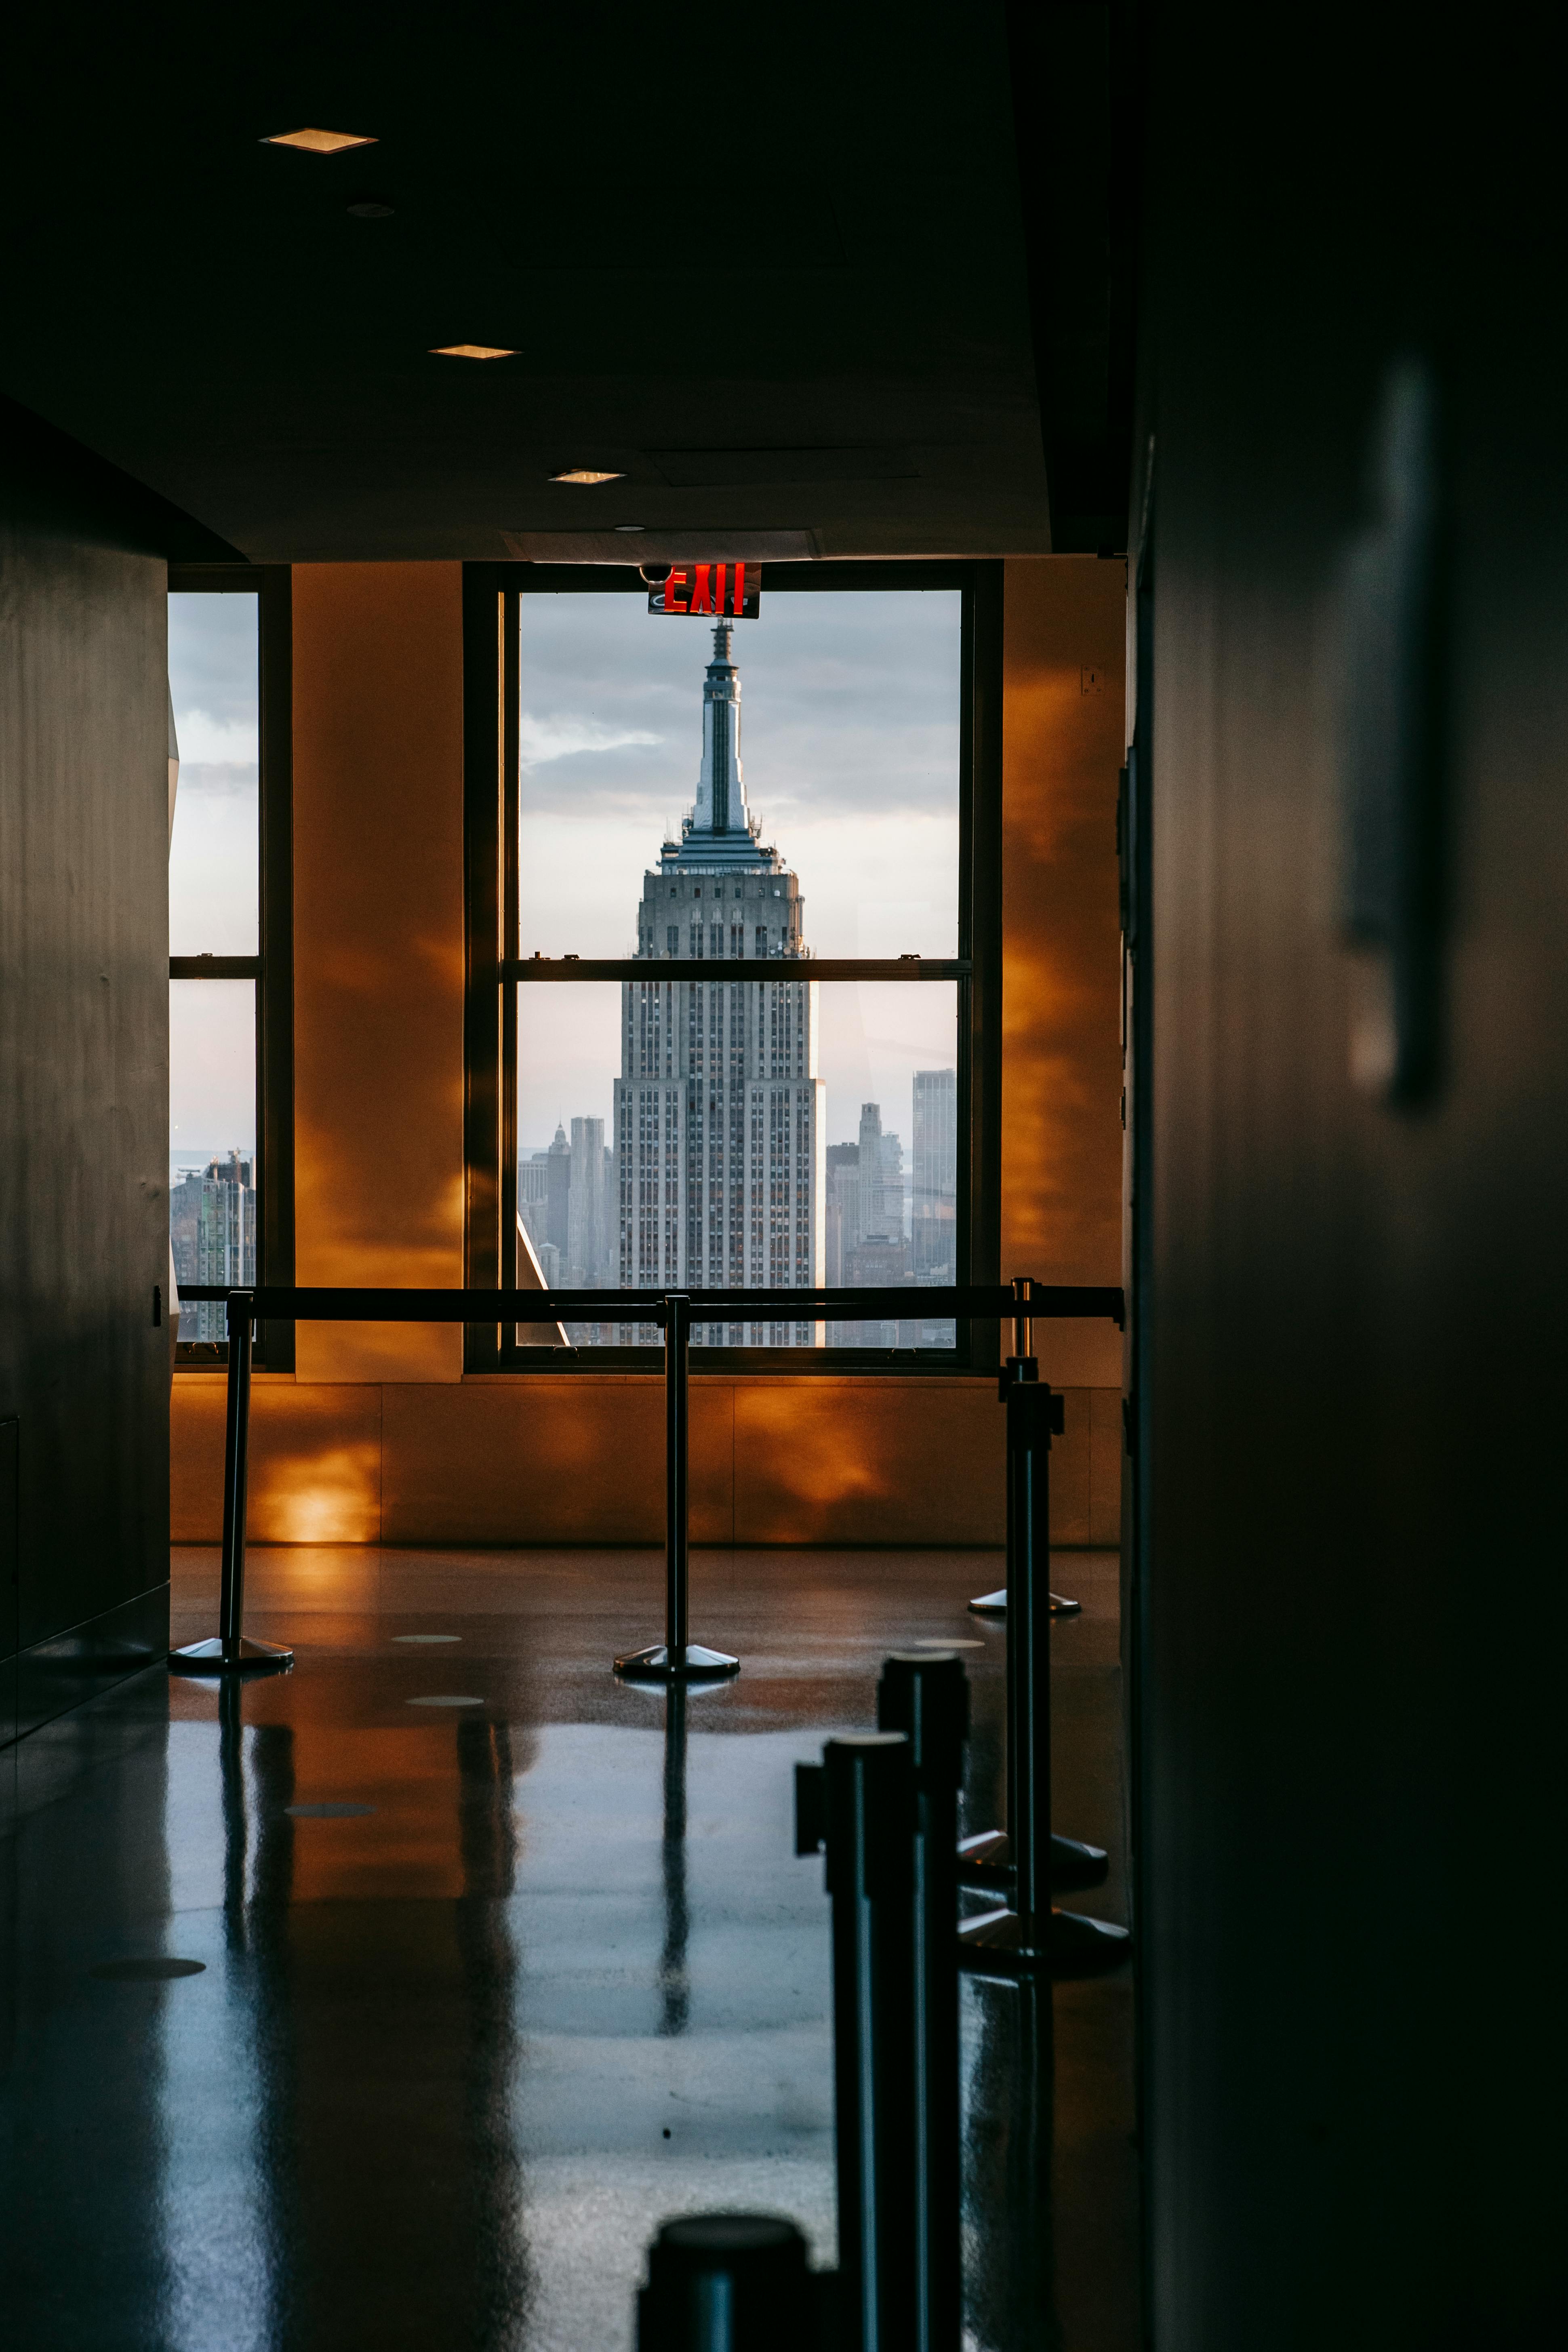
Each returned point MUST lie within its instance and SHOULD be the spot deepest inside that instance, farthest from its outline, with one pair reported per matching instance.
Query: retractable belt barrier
(884, 1804)
(677, 1657)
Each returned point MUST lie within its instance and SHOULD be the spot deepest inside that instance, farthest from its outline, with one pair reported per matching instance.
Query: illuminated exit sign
(728, 591)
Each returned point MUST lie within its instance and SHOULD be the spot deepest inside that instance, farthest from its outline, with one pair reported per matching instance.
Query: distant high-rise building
(212, 1229)
(867, 1208)
(842, 1221)
(533, 1196)
(933, 1223)
(557, 1194)
(881, 1186)
(718, 1111)
(589, 1260)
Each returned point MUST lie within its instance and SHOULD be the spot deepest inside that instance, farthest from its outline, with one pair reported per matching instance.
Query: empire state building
(719, 1110)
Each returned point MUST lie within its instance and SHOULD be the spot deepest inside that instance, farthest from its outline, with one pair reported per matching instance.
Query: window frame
(496, 970)
(271, 969)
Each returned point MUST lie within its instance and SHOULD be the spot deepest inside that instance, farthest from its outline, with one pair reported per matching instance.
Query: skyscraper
(718, 1111)
(934, 1226)
(212, 1228)
(589, 1256)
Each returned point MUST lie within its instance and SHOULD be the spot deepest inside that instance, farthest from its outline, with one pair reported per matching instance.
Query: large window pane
(214, 848)
(211, 1143)
(775, 1133)
(838, 750)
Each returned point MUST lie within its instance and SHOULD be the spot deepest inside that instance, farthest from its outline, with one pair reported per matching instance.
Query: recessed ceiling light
(585, 474)
(631, 526)
(471, 351)
(318, 143)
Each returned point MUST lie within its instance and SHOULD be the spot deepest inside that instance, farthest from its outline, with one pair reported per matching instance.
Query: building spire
(720, 832)
(720, 792)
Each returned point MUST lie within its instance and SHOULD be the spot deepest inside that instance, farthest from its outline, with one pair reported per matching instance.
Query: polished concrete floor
(490, 1962)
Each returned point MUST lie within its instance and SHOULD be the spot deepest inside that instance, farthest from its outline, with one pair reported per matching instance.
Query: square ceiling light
(585, 474)
(318, 143)
(471, 351)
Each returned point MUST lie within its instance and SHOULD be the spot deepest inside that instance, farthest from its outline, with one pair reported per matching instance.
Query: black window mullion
(485, 605)
(275, 979)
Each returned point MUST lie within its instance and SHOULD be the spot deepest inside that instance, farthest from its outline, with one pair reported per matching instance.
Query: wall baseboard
(43, 1681)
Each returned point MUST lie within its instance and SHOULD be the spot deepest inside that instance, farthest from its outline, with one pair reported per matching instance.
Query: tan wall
(534, 1459)
(378, 1438)
(378, 954)
(1062, 721)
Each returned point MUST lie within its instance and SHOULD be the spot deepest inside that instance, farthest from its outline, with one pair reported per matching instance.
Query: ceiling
(775, 271)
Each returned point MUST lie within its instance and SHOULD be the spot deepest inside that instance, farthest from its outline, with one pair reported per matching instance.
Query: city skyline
(852, 762)
(717, 1172)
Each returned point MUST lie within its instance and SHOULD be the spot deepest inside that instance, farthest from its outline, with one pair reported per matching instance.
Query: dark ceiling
(773, 267)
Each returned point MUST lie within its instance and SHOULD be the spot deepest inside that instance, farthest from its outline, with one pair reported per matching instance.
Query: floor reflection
(674, 1989)
(1010, 2303)
(511, 1982)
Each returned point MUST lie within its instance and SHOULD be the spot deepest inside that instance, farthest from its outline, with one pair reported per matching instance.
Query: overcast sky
(849, 746)
(212, 871)
(849, 739)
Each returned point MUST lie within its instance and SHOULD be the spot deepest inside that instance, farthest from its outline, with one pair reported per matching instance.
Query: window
(743, 1037)
(230, 992)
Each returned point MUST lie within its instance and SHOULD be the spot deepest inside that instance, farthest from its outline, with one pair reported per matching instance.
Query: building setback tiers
(719, 1114)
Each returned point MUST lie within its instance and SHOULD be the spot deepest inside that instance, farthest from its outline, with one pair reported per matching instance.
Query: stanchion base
(993, 1946)
(216, 1656)
(700, 1665)
(994, 1604)
(986, 1863)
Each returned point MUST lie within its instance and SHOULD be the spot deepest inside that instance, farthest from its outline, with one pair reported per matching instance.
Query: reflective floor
(491, 1962)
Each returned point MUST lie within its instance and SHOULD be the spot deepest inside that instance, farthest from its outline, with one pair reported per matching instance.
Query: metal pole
(994, 1604)
(1023, 1327)
(1029, 1659)
(1030, 1935)
(986, 1861)
(861, 1803)
(677, 1654)
(236, 1469)
(925, 1695)
(676, 1530)
(232, 1649)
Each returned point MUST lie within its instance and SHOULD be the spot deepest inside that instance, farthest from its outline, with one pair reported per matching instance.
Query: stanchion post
(732, 2282)
(232, 1649)
(236, 1466)
(994, 1604)
(861, 1802)
(988, 1861)
(677, 1451)
(1034, 1412)
(926, 1697)
(677, 1657)
(1030, 1935)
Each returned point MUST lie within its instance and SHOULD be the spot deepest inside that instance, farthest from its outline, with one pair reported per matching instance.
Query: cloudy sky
(849, 749)
(849, 746)
(213, 872)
